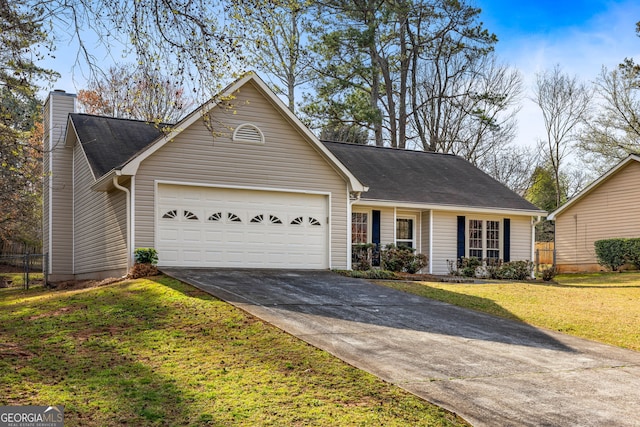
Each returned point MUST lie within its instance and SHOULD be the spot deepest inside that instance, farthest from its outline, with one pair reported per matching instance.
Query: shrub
(491, 268)
(466, 267)
(402, 258)
(146, 256)
(362, 255)
(549, 273)
(633, 252)
(612, 253)
(145, 263)
(514, 270)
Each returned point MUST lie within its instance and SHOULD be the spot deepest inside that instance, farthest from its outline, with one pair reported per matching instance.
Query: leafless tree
(466, 107)
(564, 102)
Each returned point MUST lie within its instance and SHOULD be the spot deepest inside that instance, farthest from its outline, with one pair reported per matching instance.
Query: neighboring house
(252, 187)
(608, 208)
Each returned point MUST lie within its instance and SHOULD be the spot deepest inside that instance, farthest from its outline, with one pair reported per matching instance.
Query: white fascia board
(593, 185)
(450, 208)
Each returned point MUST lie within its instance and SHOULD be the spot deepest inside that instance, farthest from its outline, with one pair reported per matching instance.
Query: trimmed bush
(612, 253)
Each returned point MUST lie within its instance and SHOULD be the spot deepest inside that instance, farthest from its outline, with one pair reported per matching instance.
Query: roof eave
(105, 182)
(632, 157)
(451, 208)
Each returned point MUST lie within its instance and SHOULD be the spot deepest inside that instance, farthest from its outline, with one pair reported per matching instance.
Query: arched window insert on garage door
(190, 216)
(170, 214)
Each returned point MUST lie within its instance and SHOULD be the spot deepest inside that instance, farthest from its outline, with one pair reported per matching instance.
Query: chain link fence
(25, 269)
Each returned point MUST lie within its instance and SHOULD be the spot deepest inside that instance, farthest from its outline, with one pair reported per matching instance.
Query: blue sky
(580, 36)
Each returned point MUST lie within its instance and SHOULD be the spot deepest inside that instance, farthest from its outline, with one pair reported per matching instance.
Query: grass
(17, 279)
(156, 352)
(603, 307)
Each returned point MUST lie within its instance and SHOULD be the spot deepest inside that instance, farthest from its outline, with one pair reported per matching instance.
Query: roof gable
(595, 184)
(426, 178)
(145, 147)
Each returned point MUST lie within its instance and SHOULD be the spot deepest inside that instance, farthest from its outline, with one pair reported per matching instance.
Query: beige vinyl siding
(445, 237)
(610, 210)
(285, 161)
(100, 233)
(58, 218)
(387, 226)
(445, 243)
(520, 238)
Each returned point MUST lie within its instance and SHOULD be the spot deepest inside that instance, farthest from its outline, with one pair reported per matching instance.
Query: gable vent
(248, 133)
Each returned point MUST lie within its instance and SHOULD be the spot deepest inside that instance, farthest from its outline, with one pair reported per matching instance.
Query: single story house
(608, 208)
(242, 183)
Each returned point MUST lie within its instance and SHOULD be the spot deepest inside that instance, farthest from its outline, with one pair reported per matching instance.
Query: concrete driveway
(490, 371)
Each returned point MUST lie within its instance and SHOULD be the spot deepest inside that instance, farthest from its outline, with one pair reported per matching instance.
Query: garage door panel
(200, 226)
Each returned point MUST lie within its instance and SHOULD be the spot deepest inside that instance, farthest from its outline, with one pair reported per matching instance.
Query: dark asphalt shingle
(426, 178)
(110, 143)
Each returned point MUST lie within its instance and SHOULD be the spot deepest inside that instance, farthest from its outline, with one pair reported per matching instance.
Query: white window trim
(414, 239)
(484, 235)
(369, 226)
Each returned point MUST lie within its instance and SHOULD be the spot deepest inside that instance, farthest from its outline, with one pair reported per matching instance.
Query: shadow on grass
(323, 296)
(89, 354)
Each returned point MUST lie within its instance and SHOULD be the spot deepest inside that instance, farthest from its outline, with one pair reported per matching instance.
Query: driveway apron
(489, 370)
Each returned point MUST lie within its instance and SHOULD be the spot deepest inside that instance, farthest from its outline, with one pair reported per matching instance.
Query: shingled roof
(425, 178)
(109, 142)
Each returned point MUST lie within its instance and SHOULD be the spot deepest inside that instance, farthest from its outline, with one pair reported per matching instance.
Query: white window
(359, 227)
(484, 239)
(475, 238)
(405, 232)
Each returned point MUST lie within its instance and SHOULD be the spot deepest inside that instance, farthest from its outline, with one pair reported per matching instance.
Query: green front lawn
(156, 352)
(604, 307)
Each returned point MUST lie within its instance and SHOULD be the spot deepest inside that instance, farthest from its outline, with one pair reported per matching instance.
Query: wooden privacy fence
(545, 253)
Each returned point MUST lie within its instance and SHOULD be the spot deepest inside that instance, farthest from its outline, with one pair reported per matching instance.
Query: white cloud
(605, 40)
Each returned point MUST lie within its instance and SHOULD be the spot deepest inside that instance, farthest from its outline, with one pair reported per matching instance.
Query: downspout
(533, 243)
(128, 219)
(431, 241)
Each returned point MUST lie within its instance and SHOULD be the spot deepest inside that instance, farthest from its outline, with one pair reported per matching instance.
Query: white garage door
(213, 227)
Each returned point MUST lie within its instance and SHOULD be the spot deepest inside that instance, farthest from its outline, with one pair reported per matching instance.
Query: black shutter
(461, 236)
(507, 240)
(375, 237)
